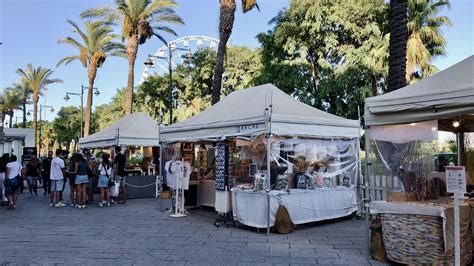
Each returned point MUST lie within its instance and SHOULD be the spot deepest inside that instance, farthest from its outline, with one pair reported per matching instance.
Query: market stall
(137, 134)
(403, 164)
(310, 167)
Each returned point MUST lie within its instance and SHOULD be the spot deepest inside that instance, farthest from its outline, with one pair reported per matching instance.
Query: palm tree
(26, 92)
(425, 39)
(226, 23)
(11, 101)
(37, 79)
(398, 44)
(140, 19)
(95, 44)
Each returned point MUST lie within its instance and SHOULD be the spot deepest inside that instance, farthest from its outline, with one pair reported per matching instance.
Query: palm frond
(68, 59)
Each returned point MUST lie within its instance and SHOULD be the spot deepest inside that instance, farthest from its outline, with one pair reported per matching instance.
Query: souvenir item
(310, 182)
(282, 182)
(346, 181)
(319, 180)
(301, 179)
(328, 182)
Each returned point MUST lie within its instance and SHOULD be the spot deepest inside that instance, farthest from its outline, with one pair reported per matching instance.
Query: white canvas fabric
(137, 129)
(446, 94)
(242, 113)
(425, 131)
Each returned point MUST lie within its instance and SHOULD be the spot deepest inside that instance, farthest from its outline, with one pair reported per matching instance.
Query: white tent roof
(446, 94)
(137, 129)
(242, 112)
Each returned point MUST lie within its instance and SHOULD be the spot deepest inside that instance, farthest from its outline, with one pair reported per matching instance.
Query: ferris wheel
(177, 50)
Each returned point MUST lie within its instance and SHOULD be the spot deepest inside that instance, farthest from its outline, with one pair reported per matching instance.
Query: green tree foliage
(107, 114)
(321, 48)
(193, 82)
(425, 39)
(140, 20)
(11, 101)
(96, 43)
(66, 126)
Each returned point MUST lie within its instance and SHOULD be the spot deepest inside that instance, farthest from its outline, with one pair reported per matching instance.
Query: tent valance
(446, 94)
(242, 113)
(137, 129)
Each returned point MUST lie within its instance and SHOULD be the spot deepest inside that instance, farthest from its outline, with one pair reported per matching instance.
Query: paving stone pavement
(137, 233)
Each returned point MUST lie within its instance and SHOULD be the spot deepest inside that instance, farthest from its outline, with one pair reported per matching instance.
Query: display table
(207, 193)
(304, 206)
(423, 232)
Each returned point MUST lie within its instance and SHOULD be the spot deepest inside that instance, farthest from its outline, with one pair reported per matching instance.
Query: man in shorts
(57, 179)
(120, 174)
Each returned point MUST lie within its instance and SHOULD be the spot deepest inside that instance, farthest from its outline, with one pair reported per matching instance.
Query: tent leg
(161, 177)
(366, 190)
(269, 143)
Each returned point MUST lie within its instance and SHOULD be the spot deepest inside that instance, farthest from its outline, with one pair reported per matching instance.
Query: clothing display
(174, 174)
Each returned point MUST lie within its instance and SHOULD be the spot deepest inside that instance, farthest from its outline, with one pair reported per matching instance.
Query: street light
(51, 109)
(150, 62)
(66, 98)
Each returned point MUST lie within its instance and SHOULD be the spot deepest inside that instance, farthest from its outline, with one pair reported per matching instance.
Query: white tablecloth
(304, 206)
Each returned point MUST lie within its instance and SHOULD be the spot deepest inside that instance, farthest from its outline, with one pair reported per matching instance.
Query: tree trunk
(90, 91)
(398, 44)
(373, 85)
(35, 117)
(10, 113)
(132, 49)
(24, 113)
(226, 23)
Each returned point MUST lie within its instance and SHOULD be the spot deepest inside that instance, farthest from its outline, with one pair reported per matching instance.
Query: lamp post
(40, 126)
(66, 98)
(150, 62)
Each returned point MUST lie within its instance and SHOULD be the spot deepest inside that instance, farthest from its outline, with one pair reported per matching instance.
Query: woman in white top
(3, 167)
(105, 170)
(13, 171)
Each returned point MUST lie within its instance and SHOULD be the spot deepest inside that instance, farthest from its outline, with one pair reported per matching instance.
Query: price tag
(455, 179)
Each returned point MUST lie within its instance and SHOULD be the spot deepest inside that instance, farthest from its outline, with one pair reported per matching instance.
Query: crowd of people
(81, 170)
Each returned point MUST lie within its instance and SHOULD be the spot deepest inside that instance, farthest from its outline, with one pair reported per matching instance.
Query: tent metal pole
(366, 189)
(269, 143)
(458, 143)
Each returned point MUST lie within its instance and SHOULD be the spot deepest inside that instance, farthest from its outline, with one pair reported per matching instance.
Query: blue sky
(30, 29)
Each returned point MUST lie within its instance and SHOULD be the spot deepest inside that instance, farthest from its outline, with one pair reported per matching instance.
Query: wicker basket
(401, 196)
(418, 239)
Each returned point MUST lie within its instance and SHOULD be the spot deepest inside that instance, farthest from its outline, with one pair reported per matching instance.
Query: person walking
(80, 169)
(71, 175)
(3, 168)
(57, 179)
(120, 174)
(14, 180)
(105, 170)
(45, 174)
(32, 175)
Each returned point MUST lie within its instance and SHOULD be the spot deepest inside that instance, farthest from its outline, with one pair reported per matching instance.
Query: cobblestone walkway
(138, 233)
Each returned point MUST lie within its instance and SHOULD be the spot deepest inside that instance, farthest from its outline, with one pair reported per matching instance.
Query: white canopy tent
(443, 101)
(242, 113)
(447, 94)
(137, 129)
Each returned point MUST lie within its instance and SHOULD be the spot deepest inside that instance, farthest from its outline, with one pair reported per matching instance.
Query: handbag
(110, 183)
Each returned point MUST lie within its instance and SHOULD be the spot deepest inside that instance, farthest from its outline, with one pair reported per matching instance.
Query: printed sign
(455, 179)
(247, 128)
(28, 153)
